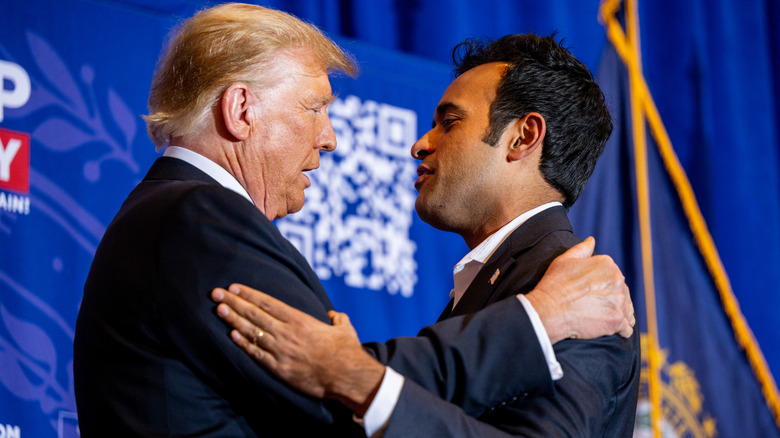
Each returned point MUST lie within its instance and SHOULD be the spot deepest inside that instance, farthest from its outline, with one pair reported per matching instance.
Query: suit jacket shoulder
(598, 393)
(147, 321)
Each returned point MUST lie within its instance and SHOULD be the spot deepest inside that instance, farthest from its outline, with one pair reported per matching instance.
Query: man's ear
(235, 105)
(525, 136)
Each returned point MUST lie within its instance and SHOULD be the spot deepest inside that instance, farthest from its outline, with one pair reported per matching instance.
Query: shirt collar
(468, 267)
(484, 250)
(208, 167)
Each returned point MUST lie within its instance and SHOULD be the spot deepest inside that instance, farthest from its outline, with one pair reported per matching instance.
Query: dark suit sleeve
(419, 414)
(476, 361)
(596, 396)
(507, 368)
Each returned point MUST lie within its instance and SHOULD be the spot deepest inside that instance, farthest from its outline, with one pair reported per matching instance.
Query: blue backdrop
(75, 77)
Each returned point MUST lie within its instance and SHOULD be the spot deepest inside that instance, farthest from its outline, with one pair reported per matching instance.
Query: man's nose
(422, 147)
(326, 141)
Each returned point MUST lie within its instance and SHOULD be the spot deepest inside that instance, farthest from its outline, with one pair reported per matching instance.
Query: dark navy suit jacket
(151, 357)
(598, 393)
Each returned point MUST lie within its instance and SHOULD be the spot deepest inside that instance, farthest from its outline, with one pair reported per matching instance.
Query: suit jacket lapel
(447, 311)
(490, 277)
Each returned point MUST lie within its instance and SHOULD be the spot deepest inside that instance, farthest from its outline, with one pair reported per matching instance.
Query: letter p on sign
(18, 78)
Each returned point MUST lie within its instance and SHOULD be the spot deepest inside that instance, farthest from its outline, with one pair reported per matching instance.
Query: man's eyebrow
(442, 109)
(321, 100)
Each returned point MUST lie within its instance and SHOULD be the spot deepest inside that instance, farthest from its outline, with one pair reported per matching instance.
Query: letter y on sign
(14, 161)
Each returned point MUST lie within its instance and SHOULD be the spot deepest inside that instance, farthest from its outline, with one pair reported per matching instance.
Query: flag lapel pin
(495, 276)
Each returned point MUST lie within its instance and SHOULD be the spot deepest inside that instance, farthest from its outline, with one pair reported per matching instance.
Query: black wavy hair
(545, 77)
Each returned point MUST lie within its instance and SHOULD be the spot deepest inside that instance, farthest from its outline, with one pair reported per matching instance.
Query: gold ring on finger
(257, 337)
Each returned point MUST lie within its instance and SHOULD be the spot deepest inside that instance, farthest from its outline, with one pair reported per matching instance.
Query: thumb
(338, 318)
(581, 250)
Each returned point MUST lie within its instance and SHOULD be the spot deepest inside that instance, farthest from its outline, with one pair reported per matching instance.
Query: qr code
(358, 211)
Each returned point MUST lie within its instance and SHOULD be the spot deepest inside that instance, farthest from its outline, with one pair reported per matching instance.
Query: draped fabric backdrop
(75, 77)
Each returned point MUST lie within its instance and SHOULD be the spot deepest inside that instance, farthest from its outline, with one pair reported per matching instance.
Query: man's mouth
(303, 172)
(423, 173)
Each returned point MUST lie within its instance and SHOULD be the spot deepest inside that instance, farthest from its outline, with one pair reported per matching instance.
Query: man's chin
(295, 206)
(423, 211)
(424, 202)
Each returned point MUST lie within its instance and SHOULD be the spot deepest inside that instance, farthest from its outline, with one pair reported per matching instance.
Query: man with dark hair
(546, 78)
(514, 139)
(547, 126)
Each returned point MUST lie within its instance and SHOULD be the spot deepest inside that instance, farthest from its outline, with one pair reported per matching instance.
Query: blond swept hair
(217, 47)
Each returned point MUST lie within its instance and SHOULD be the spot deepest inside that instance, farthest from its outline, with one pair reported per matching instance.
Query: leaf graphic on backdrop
(30, 338)
(123, 116)
(15, 379)
(55, 70)
(60, 135)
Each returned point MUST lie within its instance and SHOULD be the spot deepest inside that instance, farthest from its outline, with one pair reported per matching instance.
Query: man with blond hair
(239, 102)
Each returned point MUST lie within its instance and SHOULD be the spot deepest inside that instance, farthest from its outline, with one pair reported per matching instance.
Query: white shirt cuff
(556, 372)
(383, 405)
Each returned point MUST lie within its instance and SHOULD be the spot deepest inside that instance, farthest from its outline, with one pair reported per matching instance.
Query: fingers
(629, 317)
(627, 330)
(338, 318)
(257, 352)
(581, 250)
(243, 315)
(276, 309)
(269, 304)
(628, 307)
(246, 332)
